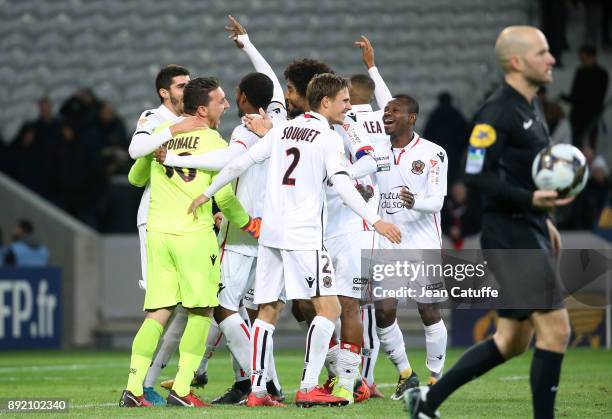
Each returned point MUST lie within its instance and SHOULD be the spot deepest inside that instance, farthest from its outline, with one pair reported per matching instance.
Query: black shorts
(518, 252)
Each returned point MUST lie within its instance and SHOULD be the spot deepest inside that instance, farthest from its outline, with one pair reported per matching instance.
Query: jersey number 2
(295, 152)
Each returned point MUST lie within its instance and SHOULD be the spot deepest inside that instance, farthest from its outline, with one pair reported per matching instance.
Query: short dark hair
(300, 72)
(323, 85)
(163, 80)
(410, 102)
(588, 49)
(363, 82)
(258, 89)
(197, 93)
(26, 226)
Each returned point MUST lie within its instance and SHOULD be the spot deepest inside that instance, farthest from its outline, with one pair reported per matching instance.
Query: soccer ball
(562, 168)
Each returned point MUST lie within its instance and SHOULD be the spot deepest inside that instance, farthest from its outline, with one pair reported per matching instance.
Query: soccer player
(385, 319)
(342, 239)
(510, 128)
(182, 251)
(363, 90)
(418, 168)
(169, 84)
(292, 261)
(239, 250)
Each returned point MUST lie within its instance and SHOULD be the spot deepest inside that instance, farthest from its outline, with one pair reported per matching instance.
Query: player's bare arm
(367, 51)
(407, 197)
(235, 29)
(258, 124)
(382, 92)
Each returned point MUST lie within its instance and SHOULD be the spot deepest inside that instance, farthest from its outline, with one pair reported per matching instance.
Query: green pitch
(92, 382)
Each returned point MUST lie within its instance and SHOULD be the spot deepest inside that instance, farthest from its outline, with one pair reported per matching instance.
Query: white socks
(317, 345)
(212, 342)
(238, 337)
(371, 343)
(167, 346)
(435, 343)
(392, 341)
(261, 344)
(349, 356)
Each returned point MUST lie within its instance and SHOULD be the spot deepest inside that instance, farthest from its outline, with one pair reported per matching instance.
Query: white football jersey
(340, 218)
(421, 166)
(148, 121)
(303, 153)
(249, 188)
(372, 123)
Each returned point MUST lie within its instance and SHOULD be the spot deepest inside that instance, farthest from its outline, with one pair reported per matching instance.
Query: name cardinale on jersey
(183, 143)
(300, 134)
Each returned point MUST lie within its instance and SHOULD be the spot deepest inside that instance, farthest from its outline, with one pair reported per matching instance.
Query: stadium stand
(116, 47)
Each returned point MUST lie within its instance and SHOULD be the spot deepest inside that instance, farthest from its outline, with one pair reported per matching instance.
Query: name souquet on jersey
(299, 134)
(183, 142)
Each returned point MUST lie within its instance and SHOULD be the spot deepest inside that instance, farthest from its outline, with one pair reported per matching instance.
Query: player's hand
(555, 237)
(235, 28)
(366, 191)
(252, 227)
(190, 123)
(195, 204)
(218, 217)
(160, 154)
(407, 197)
(367, 51)
(388, 230)
(549, 199)
(258, 124)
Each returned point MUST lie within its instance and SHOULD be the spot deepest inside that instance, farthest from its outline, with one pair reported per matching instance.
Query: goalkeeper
(182, 249)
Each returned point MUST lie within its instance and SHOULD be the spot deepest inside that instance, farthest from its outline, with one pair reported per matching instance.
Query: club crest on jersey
(417, 167)
(327, 282)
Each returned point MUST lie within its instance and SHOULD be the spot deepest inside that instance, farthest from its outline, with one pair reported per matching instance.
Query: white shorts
(237, 278)
(142, 235)
(345, 251)
(293, 275)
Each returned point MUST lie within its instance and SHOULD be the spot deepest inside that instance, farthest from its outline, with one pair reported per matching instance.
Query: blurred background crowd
(74, 153)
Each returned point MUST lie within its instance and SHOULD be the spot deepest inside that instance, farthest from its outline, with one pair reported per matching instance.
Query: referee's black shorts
(518, 252)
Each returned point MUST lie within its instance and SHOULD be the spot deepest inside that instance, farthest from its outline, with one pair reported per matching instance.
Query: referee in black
(509, 131)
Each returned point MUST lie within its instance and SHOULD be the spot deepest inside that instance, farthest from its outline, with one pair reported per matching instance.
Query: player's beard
(294, 112)
(177, 105)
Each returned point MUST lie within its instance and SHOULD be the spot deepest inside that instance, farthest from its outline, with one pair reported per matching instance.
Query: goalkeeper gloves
(252, 227)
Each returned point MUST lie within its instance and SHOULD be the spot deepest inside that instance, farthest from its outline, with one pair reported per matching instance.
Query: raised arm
(240, 37)
(381, 91)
